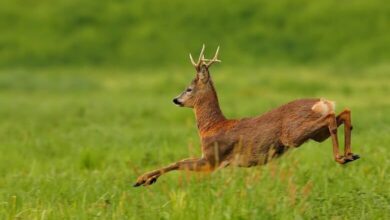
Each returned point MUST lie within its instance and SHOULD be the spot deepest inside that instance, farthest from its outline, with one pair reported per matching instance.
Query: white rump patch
(324, 107)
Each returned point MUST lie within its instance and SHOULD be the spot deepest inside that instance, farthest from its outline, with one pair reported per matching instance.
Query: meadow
(86, 91)
(73, 141)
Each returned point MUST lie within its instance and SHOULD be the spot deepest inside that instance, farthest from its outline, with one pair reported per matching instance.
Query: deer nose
(176, 101)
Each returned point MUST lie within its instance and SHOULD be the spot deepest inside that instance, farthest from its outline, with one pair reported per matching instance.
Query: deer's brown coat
(253, 141)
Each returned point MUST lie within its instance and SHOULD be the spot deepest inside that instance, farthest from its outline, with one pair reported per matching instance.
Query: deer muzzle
(177, 102)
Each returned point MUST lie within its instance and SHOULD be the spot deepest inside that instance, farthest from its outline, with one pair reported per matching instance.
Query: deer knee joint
(332, 124)
(333, 130)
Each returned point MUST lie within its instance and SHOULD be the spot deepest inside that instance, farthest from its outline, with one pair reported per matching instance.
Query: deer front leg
(332, 126)
(149, 178)
(345, 118)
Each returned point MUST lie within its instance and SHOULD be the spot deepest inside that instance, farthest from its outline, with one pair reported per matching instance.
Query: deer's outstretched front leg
(200, 164)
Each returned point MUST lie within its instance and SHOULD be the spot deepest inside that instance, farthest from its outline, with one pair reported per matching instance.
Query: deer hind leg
(323, 133)
(188, 164)
(345, 118)
(320, 130)
(332, 127)
(333, 123)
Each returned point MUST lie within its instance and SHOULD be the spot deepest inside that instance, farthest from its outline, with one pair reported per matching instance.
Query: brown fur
(254, 141)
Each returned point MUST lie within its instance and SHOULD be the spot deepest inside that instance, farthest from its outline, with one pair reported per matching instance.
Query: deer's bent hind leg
(345, 118)
(319, 130)
(332, 124)
(149, 178)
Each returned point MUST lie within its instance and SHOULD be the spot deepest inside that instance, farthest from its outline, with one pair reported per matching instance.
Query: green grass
(73, 141)
(85, 107)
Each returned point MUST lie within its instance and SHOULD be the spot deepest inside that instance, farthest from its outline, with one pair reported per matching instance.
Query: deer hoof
(141, 181)
(351, 157)
(150, 181)
(340, 160)
(137, 184)
(146, 180)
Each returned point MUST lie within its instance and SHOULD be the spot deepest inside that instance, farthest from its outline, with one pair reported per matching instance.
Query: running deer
(252, 141)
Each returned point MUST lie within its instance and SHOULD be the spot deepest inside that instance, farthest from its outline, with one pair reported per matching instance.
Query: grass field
(86, 91)
(73, 141)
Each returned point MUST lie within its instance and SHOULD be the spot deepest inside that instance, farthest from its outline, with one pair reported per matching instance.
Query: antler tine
(216, 53)
(200, 58)
(201, 55)
(192, 61)
(214, 59)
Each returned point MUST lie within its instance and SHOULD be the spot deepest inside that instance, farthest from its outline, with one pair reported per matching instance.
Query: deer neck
(208, 113)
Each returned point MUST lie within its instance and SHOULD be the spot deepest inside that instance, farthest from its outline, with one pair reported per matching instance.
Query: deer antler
(202, 60)
(215, 59)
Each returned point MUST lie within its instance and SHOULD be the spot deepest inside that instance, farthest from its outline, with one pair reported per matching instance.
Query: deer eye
(188, 90)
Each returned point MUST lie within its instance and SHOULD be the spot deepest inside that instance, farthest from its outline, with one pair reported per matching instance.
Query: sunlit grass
(73, 142)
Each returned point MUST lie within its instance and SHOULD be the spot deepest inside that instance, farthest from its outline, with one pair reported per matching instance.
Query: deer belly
(258, 155)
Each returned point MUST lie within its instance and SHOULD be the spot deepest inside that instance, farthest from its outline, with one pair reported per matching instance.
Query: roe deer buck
(252, 141)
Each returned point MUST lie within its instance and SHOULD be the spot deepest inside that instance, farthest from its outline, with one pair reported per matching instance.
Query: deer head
(201, 87)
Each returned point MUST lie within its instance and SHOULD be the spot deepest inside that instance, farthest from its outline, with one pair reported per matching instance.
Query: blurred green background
(147, 33)
(86, 92)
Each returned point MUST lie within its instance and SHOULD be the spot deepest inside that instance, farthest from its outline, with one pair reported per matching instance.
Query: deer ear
(203, 74)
